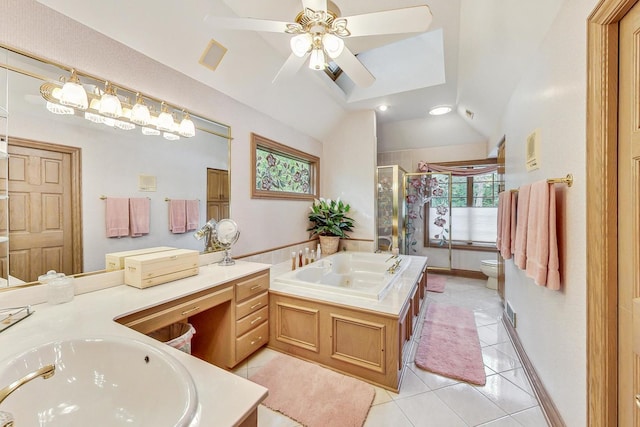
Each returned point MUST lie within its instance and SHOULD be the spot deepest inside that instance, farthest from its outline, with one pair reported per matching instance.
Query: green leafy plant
(329, 218)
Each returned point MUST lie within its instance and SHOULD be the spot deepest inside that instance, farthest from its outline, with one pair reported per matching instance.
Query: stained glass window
(282, 172)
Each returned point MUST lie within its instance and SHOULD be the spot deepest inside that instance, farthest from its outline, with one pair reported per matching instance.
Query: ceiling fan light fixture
(301, 44)
(317, 60)
(333, 45)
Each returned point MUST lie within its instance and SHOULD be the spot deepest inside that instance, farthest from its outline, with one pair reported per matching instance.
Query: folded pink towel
(520, 252)
(542, 241)
(139, 216)
(177, 216)
(193, 214)
(117, 217)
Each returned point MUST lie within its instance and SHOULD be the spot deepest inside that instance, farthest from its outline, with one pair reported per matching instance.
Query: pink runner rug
(312, 395)
(449, 344)
(435, 283)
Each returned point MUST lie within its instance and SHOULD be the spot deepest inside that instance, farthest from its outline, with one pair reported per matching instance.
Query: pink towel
(139, 216)
(520, 251)
(513, 214)
(505, 223)
(177, 216)
(193, 215)
(117, 217)
(542, 236)
(500, 220)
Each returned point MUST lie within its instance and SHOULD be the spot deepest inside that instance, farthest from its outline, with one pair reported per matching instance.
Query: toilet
(490, 268)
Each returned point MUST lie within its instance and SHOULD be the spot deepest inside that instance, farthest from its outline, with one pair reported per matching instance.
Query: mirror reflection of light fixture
(110, 105)
(113, 110)
(73, 94)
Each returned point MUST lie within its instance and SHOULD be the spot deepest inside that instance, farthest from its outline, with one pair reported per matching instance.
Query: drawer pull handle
(638, 400)
(256, 340)
(253, 288)
(256, 319)
(174, 257)
(184, 313)
(256, 305)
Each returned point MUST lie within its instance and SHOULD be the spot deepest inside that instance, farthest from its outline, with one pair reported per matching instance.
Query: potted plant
(330, 223)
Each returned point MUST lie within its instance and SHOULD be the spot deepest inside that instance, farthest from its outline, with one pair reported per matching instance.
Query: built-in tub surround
(224, 398)
(366, 275)
(365, 337)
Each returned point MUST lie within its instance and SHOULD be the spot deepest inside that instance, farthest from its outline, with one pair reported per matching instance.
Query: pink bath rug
(449, 344)
(312, 395)
(435, 283)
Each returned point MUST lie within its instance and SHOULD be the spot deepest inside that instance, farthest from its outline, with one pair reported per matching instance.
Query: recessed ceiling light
(382, 107)
(440, 110)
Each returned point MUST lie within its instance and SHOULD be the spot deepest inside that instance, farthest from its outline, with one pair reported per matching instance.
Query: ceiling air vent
(212, 55)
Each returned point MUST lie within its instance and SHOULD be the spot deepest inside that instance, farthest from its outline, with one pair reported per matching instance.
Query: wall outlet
(511, 315)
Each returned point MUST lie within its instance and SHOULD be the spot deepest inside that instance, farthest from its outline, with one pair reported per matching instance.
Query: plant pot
(329, 244)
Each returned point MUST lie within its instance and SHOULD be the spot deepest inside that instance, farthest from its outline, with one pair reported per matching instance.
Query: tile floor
(428, 399)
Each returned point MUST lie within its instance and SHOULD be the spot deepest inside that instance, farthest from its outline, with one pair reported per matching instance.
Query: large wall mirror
(80, 163)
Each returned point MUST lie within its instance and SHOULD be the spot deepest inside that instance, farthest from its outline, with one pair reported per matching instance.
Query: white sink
(100, 382)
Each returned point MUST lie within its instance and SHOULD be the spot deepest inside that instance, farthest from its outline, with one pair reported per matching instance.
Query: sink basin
(100, 382)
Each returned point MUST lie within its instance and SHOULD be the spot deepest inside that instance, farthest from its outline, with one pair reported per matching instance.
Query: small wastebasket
(177, 335)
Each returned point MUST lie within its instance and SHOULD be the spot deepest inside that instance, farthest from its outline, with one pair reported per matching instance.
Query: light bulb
(73, 94)
(317, 62)
(301, 44)
(333, 44)
(110, 105)
(187, 128)
(165, 120)
(140, 114)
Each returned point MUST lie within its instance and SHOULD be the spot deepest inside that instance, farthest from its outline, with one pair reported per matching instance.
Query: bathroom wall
(348, 169)
(408, 160)
(264, 224)
(551, 97)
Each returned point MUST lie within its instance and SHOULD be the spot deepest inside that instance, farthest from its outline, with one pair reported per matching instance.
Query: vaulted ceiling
(471, 58)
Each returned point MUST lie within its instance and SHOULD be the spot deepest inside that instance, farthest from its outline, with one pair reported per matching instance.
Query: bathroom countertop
(391, 304)
(224, 398)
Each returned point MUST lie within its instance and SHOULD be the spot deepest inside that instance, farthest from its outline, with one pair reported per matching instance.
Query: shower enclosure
(390, 208)
(427, 219)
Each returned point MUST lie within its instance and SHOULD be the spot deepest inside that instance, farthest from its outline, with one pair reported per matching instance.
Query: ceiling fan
(319, 32)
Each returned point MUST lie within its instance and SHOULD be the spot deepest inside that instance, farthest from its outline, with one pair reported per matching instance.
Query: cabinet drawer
(251, 305)
(252, 286)
(252, 340)
(251, 321)
(156, 318)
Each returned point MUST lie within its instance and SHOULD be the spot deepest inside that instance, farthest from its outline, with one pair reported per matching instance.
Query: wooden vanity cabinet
(251, 315)
(231, 319)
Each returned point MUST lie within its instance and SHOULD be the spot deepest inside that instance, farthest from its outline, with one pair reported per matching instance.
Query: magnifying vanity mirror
(61, 167)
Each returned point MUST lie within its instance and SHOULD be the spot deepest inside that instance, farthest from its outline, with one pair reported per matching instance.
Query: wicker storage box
(115, 260)
(143, 271)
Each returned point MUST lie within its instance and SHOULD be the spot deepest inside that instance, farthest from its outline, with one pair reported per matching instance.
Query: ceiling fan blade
(291, 66)
(251, 24)
(354, 68)
(316, 5)
(408, 20)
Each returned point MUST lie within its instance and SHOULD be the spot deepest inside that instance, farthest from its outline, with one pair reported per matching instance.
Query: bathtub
(361, 274)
